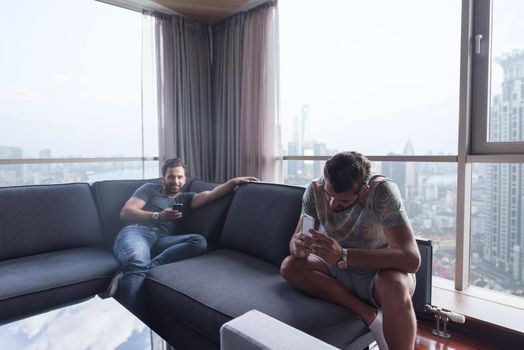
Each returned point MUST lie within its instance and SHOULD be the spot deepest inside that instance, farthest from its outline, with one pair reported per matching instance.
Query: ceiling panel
(205, 11)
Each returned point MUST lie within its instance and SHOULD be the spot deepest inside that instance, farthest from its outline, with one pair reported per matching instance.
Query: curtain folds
(218, 94)
(182, 49)
(192, 96)
(227, 94)
(259, 132)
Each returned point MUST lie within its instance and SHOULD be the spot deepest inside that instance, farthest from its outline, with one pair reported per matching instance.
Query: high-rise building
(11, 174)
(403, 173)
(306, 132)
(503, 235)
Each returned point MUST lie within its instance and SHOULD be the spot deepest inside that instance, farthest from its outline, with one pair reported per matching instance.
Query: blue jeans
(136, 244)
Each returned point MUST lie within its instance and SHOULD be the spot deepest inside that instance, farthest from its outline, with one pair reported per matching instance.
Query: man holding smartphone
(367, 258)
(151, 213)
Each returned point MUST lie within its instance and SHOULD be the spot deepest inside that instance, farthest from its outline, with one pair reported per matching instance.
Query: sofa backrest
(261, 220)
(43, 218)
(111, 195)
(209, 219)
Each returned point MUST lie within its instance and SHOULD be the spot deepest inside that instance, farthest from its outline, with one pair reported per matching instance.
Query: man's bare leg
(393, 290)
(311, 276)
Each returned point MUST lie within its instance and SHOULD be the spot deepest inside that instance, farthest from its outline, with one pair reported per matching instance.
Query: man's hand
(325, 248)
(300, 245)
(244, 180)
(170, 214)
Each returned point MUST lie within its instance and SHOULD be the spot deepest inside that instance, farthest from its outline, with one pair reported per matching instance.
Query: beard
(171, 189)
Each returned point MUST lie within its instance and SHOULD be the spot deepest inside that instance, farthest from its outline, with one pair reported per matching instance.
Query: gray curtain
(227, 92)
(260, 132)
(218, 105)
(245, 90)
(184, 93)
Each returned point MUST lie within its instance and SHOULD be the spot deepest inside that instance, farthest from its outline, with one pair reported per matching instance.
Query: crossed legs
(134, 246)
(391, 290)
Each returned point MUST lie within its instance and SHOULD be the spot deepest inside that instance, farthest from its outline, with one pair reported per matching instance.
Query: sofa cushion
(209, 219)
(37, 219)
(261, 220)
(111, 195)
(206, 291)
(37, 283)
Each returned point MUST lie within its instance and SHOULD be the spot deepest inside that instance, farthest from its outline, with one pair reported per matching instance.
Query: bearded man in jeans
(149, 240)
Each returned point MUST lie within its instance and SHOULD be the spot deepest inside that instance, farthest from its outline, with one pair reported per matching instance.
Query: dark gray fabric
(207, 220)
(37, 283)
(175, 331)
(261, 220)
(111, 196)
(37, 219)
(47, 300)
(206, 291)
(54, 269)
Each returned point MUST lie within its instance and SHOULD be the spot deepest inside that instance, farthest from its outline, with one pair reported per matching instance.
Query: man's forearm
(222, 189)
(386, 258)
(206, 197)
(135, 216)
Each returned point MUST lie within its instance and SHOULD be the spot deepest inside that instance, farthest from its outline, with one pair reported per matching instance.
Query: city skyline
(429, 194)
(357, 97)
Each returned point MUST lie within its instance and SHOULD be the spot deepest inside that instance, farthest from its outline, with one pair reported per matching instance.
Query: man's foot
(113, 286)
(376, 329)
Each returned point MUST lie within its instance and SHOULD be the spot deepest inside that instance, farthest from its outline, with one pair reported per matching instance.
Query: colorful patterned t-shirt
(361, 225)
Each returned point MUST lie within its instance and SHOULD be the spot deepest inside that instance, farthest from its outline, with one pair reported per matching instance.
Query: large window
(362, 79)
(433, 92)
(429, 194)
(71, 88)
(496, 228)
(498, 62)
(380, 77)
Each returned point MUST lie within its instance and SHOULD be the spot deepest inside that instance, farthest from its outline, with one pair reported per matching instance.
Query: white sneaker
(113, 286)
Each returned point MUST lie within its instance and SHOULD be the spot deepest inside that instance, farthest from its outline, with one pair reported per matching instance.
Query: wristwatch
(343, 262)
(155, 216)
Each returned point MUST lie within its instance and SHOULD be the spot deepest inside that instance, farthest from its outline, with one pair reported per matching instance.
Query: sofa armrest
(255, 330)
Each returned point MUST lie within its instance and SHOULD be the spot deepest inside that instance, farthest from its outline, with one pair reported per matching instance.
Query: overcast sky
(70, 77)
(377, 73)
(374, 73)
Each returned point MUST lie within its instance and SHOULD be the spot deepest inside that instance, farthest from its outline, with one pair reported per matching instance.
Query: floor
(427, 341)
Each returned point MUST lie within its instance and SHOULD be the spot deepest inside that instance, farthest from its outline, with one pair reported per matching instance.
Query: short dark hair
(173, 163)
(347, 170)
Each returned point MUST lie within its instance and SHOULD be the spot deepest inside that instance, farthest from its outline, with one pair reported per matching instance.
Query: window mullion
(463, 168)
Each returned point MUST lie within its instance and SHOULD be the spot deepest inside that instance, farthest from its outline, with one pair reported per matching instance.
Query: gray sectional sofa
(52, 250)
(55, 249)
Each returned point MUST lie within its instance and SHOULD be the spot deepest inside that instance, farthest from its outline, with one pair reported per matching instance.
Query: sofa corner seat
(51, 251)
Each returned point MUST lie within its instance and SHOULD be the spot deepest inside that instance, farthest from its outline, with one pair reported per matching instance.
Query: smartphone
(178, 206)
(307, 223)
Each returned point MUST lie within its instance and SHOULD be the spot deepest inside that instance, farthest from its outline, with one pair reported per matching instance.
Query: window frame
(481, 19)
(473, 145)
(142, 157)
